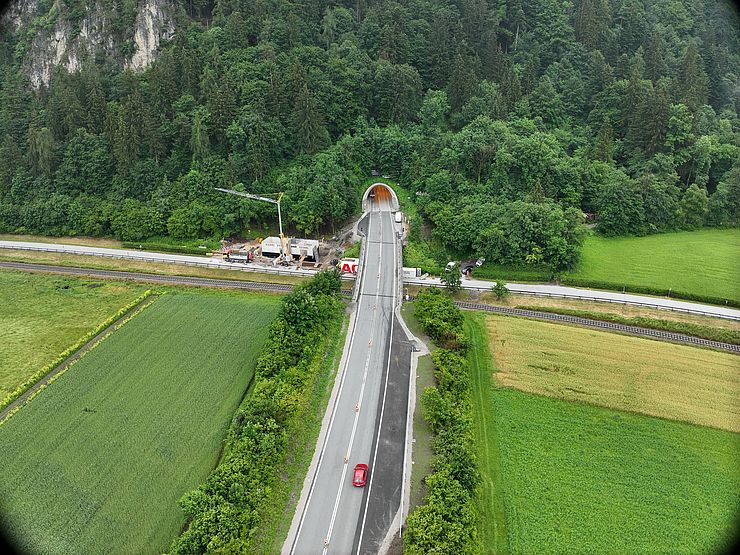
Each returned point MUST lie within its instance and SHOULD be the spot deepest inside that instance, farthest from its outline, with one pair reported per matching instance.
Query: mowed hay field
(679, 382)
(704, 262)
(561, 476)
(42, 315)
(98, 461)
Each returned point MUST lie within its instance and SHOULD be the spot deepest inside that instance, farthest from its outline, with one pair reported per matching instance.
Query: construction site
(299, 252)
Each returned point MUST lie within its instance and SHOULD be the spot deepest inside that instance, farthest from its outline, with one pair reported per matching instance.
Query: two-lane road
(327, 515)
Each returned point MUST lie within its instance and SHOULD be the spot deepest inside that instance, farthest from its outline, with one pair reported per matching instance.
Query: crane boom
(249, 195)
(283, 241)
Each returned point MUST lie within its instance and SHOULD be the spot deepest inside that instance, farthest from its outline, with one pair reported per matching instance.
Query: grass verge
(697, 330)
(98, 263)
(491, 504)
(421, 451)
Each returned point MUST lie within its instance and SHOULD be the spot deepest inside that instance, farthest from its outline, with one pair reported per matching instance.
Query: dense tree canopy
(507, 119)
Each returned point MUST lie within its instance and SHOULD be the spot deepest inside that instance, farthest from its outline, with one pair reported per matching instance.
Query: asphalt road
(146, 256)
(327, 518)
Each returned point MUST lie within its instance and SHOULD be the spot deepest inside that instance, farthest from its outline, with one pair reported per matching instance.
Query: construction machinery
(285, 256)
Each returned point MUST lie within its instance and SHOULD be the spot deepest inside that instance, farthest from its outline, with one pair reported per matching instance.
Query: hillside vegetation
(130, 427)
(505, 120)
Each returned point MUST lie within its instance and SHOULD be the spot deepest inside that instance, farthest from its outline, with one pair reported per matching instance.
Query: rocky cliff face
(53, 38)
(154, 23)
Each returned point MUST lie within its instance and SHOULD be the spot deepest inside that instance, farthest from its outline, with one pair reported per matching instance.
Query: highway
(331, 512)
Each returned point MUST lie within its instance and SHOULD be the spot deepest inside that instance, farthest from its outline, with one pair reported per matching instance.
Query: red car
(360, 476)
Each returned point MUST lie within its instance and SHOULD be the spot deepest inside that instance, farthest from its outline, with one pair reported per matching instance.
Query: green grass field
(582, 479)
(657, 378)
(704, 262)
(42, 315)
(567, 477)
(98, 461)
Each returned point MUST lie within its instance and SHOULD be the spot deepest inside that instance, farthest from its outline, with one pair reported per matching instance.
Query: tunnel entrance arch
(378, 192)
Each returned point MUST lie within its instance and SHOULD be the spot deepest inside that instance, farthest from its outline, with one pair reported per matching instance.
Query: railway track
(151, 278)
(285, 288)
(600, 324)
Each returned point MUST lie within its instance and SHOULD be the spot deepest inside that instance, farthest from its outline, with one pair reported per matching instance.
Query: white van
(399, 217)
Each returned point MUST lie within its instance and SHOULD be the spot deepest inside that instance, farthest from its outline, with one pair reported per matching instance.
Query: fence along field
(570, 477)
(98, 461)
(42, 315)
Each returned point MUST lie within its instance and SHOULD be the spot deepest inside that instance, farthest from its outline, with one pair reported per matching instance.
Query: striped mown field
(98, 461)
(41, 316)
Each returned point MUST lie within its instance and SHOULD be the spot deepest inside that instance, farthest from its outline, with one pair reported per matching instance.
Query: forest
(513, 123)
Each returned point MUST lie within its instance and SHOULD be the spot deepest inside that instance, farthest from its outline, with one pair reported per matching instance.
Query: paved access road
(146, 256)
(328, 518)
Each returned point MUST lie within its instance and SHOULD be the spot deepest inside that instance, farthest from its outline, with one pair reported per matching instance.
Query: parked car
(360, 475)
(479, 262)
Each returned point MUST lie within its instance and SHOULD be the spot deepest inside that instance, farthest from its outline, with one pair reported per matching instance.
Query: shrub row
(158, 247)
(25, 386)
(224, 513)
(688, 328)
(447, 521)
(646, 290)
(440, 318)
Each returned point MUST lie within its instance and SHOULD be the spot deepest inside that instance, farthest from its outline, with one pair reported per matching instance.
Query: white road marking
(382, 410)
(357, 414)
(333, 415)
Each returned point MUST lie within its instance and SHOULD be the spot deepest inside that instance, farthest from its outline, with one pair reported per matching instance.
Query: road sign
(349, 265)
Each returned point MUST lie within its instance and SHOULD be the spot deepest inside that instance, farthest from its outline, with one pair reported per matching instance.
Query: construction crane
(284, 250)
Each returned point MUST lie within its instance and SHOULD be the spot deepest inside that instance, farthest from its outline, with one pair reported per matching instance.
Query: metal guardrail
(601, 324)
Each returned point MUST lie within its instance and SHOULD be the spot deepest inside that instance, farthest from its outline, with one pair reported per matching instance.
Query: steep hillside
(507, 120)
(51, 35)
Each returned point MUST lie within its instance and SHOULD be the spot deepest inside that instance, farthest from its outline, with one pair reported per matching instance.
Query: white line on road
(359, 403)
(382, 410)
(334, 412)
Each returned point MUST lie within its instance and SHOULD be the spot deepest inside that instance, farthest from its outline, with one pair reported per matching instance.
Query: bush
(447, 521)
(440, 319)
(500, 290)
